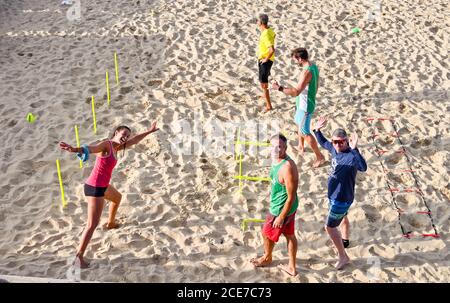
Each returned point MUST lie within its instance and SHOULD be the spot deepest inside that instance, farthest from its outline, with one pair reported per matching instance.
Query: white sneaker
(66, 2)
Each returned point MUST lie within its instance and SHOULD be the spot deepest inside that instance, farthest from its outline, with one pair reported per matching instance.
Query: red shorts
(287, 228)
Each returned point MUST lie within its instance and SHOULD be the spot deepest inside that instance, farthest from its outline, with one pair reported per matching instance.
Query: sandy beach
(194, 62)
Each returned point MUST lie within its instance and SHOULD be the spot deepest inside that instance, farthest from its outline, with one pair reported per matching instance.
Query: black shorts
(92, 191)
(264, 71)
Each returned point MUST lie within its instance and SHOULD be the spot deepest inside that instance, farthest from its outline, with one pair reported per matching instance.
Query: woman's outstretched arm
(93, 149)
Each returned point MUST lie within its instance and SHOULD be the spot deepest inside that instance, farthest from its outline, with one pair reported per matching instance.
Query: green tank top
(278, 195)
(306, 101)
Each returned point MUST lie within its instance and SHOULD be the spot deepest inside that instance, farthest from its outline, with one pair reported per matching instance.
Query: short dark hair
(301, 53)
(264, 19)
(340, 133)
(279, 137)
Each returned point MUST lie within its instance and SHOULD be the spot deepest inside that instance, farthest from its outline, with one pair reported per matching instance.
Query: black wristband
(280, 88)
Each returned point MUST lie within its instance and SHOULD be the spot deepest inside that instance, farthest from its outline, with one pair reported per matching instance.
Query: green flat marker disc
(31, 118)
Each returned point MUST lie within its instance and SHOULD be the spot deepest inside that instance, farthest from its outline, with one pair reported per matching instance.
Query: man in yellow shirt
(266, 56)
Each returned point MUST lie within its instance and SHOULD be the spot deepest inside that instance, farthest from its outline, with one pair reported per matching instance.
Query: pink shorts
(287, 228)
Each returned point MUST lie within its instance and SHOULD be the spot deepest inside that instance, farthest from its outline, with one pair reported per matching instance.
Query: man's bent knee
(290, 237)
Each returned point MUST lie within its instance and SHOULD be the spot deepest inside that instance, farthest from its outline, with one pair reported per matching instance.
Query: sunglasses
(340, 142)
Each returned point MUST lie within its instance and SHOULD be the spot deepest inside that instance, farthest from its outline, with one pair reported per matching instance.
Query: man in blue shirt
(346, 161)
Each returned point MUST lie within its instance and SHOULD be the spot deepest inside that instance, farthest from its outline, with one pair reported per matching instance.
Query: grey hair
(340, 133)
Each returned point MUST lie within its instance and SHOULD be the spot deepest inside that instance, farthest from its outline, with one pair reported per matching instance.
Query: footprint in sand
(395, 178)
(371, 213)
(405, 179)
(385, 140)
(408, 201)
(154, 83)
(419, 143)
(402, 107)
(394, 159)
(126, 89)
(416, 221)
(12, 123)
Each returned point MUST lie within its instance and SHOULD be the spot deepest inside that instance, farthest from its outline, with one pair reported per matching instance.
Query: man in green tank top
(305, 103)
(283, 206)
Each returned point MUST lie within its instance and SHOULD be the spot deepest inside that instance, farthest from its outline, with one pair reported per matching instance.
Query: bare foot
(81, 263)
(318, 163)
(342, 262)
(261, 261)
(268, 109)
(112, 225)
(290, 271)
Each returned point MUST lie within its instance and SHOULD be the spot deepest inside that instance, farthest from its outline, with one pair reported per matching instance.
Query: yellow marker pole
(93, 115)
(252, 143)
(63, 199)
(117, 68)
(240, 172)
(236, 143)
(245, 222)
(78, 143)
(107, 87)
(252, 178)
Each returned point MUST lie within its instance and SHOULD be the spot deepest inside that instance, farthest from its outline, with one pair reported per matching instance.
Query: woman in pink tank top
(97, 187)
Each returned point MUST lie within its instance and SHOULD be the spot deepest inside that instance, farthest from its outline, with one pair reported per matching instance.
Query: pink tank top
(102, 172)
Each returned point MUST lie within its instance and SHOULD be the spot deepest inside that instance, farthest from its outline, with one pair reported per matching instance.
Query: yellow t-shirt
(266, 40)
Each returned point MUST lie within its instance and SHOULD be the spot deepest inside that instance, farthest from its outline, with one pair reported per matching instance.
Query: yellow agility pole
(93, 115)
(63, 199)
(235, 150)
(244, 223)
(117, 68)
(240, 173)
(249, 178)
(78, 143)
(107, 87)
(252, 143)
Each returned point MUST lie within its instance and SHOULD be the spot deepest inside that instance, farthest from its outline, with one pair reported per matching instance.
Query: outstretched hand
(65, 146)
(353, 141)
(275, 85)
(153, 128)
(321, 122)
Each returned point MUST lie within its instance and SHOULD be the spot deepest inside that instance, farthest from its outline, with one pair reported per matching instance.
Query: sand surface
(195, 61)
